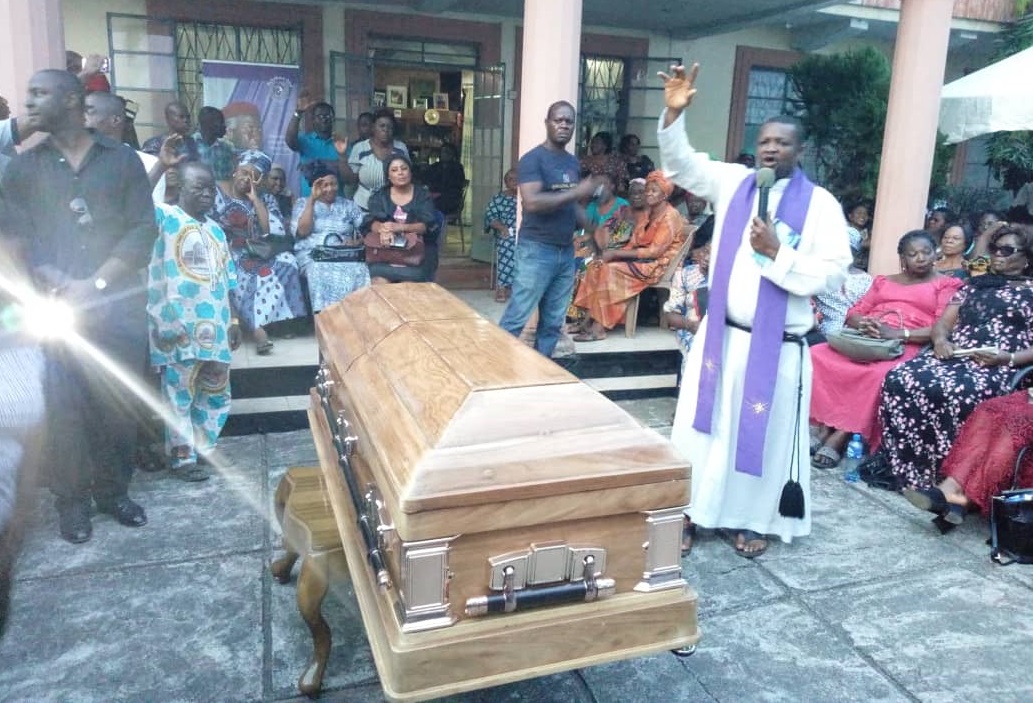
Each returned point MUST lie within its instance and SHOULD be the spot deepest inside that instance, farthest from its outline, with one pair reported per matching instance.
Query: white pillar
(552, 47)
(31, 38)
(919, 60)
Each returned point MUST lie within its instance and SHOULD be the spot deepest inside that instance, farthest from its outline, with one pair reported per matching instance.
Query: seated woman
(601, 159)
(983, 334)
(404, 208)
(857, 219)
(981, 461)
(638, 165)
(953, 245)
(618, 275)
(276, 185)
(500, 221)
(602, 208)
(615, 231)
(845, 393)
(687, 304)
(326, 218)
(446, 179)
(832, 307)
(937, 222)
(268, 282)
(986, 225)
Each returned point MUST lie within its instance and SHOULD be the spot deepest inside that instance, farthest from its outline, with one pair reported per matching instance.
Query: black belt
(786, 336)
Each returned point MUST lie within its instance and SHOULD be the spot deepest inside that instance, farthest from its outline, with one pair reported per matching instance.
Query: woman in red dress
(845, 393)
(981, 461)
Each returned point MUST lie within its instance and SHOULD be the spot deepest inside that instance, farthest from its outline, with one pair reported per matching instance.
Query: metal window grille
(603, 97)
(197, 42)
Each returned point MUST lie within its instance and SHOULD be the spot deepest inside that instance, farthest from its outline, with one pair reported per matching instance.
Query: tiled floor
(874, 606)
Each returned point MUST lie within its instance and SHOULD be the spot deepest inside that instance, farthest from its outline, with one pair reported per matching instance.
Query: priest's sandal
(688, 534)
(750, 544)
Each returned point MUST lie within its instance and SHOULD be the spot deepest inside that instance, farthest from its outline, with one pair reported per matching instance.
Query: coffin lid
(452, 411)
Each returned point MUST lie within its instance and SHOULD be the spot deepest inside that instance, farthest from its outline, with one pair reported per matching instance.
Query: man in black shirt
(79, 205)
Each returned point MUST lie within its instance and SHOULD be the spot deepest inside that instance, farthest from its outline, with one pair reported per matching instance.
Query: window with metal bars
(197, 42)
(155, 61)
(603, 99)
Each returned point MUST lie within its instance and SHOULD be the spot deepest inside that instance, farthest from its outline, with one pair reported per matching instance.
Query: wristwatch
(100, 283)
(299, 114)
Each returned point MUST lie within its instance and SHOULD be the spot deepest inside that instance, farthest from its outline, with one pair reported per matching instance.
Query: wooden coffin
(501, 519)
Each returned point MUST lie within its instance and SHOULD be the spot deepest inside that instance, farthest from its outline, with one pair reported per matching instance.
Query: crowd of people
(932, 416)
(168, 256)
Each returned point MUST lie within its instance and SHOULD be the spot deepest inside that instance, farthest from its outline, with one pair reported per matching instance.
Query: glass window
(769, 93)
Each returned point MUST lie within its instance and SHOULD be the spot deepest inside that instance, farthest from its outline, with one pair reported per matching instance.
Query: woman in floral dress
(500, 220)
(268, 283)
(326, 218)
(925, 401)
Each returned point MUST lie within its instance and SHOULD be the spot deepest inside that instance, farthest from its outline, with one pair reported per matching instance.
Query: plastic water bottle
(854, 455)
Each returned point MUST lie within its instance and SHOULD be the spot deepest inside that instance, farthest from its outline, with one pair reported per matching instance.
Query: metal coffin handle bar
(344, 443)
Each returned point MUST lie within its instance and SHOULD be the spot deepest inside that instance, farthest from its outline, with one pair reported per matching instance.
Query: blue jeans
(544, 279)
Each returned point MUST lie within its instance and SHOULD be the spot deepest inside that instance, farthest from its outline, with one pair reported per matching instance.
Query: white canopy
(993, 99)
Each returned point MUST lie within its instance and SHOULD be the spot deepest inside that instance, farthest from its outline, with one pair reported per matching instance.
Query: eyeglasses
(80, 208)
(1003, 252)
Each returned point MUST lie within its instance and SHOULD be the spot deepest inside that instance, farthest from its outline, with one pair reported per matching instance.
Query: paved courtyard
(874, 606)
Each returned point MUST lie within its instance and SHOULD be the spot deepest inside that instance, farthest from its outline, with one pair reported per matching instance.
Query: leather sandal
(826, 458)
(747, 537)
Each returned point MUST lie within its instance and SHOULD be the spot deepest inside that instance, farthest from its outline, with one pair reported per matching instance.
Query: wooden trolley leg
(313, 581)
(281, 568)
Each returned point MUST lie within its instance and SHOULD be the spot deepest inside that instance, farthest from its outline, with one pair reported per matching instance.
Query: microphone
(765, 179)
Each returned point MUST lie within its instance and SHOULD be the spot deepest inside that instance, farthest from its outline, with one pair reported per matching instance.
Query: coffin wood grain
(481, 652)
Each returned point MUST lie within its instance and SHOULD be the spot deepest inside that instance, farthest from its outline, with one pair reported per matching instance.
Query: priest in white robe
(742, 414)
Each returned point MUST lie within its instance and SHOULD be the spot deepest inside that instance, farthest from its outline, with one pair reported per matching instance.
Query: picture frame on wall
(420, 103)
(440, 101)
(397, 96)
(379, 98)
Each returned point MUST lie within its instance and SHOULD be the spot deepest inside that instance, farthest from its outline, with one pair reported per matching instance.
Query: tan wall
(86, 22)
(707, 119)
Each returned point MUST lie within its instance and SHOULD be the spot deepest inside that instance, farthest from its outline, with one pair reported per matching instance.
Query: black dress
(419, 209)
(925, 400)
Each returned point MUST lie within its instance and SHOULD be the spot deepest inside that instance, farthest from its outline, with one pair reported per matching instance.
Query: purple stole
(768, 324)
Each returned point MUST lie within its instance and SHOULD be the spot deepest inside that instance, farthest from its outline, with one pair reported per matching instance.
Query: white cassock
(721, 496)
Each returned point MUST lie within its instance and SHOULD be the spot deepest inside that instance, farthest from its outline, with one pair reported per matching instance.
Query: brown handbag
(412, 254)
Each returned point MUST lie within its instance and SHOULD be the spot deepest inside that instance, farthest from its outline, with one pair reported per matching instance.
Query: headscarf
(660, 179)
(256, 158)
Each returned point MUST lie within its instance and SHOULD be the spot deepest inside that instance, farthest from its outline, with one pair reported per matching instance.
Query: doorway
(440, 100)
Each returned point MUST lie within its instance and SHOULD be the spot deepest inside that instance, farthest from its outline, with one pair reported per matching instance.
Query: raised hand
(167, 154)
(341, 145)
(305, 100)
(679, 88)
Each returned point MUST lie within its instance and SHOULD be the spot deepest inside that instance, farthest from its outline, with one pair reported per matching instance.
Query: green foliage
(842, 104)
(1010, 154)
(965, 199)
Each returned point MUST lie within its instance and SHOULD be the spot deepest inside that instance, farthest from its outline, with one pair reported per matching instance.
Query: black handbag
(334, 249)
(269, 246)
(1011, 521)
